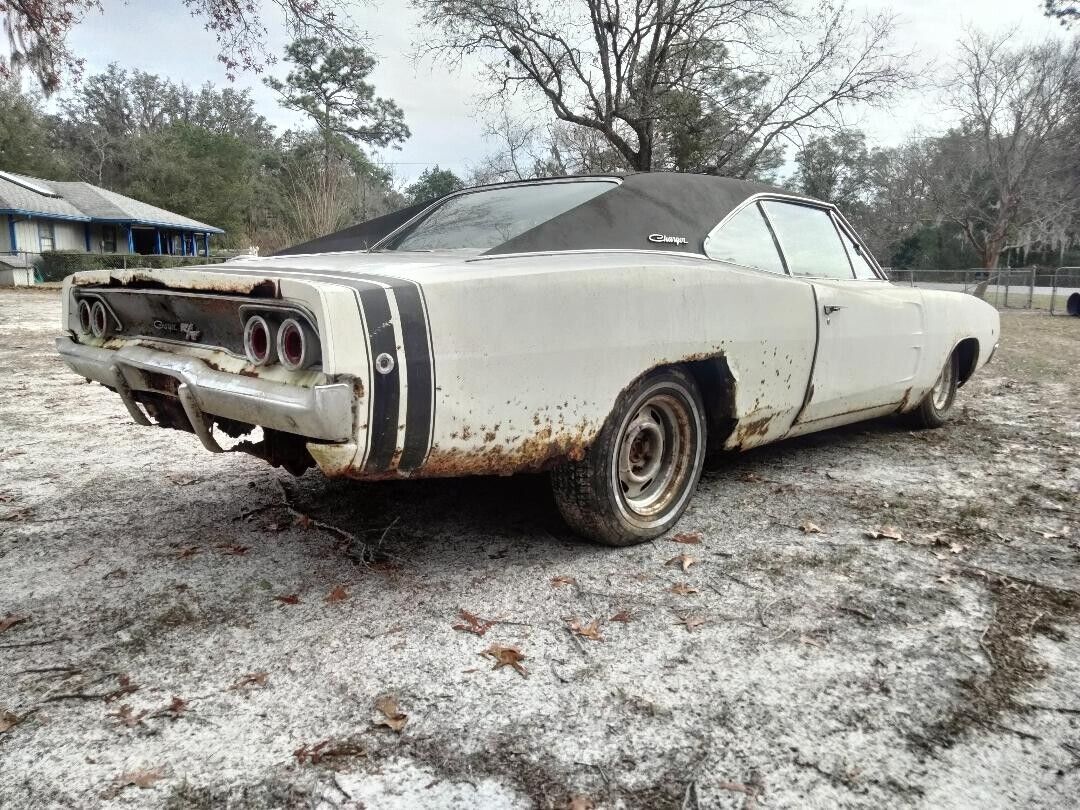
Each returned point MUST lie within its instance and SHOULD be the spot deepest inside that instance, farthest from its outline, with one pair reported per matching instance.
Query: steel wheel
(943, 389)
(653, 456)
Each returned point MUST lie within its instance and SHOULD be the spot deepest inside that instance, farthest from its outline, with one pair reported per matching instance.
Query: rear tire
(934, 408)
(637, 478)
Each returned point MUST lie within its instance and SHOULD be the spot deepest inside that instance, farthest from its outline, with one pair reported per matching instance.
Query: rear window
(481, 220)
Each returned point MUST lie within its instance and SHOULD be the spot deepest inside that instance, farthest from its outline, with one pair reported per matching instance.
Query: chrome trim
(682, 254)
(319, 412)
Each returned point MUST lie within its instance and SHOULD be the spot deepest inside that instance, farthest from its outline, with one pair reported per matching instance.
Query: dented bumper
(323, 412)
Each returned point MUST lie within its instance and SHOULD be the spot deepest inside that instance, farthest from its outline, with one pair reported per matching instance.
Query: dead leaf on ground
(127, 686)
(622, 616)
(127, 716)
(689, 538)
(11, 620)
(473, 623)
(506, 657)
(590, 631)
(187, 551)
(251, 679)
(339, 594)
(289, 599)
(813, 642)
(808, 527)
(559, 582)
(392, 717)
(303, 521)
(580, 803)
(177, 706)
(326, 750)
(691, 623)
(684, 560)
(139, 779)
(8, 721)
(236, 550)
(683, 589)
(885, 533)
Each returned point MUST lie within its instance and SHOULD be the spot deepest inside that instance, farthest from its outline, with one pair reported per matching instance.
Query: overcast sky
(439, 103)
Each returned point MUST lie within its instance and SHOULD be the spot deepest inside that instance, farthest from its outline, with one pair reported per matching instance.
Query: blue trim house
(44, 215)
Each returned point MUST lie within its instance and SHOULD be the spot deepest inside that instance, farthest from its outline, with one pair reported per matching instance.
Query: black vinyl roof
(685, 206)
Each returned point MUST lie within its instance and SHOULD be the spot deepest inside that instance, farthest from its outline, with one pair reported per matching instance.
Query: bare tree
(1010, 169)
(714, 85)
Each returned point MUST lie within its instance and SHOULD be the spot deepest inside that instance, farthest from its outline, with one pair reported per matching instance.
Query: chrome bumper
(321, 412)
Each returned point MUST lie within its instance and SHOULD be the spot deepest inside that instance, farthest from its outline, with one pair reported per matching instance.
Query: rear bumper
(321, 412)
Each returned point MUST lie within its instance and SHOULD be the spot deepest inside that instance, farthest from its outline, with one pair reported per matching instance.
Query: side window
(46, 235)
(809, 240)
(108, 238)
(864, 270)
(745, 239)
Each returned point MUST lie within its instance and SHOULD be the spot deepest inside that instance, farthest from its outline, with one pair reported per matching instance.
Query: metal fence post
(1053, 289)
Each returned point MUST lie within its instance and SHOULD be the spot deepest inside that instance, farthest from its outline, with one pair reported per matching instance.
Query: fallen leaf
(580, 803)
(127, 686)
(289, 599)
(683, 589)
(885, 533)
(685, 560)
(558, 582)
(235, 550)
(622, 616)
(177, 706)
(251, 679)
(689, 538)
(506, 657)
(128, 717)
(303, 521)
(8, 720)
(187, 551)
(811, 641)
(11, 620)
(325, 750)
(691, 623)
(810, 528)
(473, 623)
(339, 594)
(139, 779)
(392, 714)
(590, 631)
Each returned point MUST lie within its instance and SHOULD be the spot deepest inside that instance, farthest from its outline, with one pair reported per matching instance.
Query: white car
(607, 329)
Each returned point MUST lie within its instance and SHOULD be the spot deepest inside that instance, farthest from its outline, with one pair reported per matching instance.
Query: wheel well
(717, 386)
(968, 351)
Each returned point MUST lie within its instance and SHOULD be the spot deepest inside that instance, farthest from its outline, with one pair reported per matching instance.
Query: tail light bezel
(251, 324)
(278, 316)
(295, 329)
(82, 311)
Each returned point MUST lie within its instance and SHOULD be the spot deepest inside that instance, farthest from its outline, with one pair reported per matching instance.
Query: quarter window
(745, 239)
(809, 240)
(857, 253)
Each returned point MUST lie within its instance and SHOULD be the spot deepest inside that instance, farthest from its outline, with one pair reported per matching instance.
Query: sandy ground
(181, 650)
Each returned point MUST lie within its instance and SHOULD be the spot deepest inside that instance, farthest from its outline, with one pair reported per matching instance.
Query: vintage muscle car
(607, 329)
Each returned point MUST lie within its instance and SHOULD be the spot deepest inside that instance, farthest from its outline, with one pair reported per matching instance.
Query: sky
(440, 102)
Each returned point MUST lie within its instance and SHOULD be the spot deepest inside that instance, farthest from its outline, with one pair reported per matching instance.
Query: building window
(108, 238)
(46, 235)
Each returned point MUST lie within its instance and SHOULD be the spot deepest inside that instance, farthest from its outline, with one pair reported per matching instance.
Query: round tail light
(257, 340)
(84, 317)
(295, 345)
(99, 320)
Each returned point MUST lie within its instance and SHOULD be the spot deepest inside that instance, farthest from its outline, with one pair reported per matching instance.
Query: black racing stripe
(419, 371)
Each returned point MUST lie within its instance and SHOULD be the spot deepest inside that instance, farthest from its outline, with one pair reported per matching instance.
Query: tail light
(99, 320)
(258, 342)
(84, 317)
(296, 345)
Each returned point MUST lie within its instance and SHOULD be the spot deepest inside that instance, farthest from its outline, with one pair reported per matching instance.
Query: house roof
(84, 202)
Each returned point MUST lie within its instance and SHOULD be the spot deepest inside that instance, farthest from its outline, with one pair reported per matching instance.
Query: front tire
(934, 408)
(637, 478)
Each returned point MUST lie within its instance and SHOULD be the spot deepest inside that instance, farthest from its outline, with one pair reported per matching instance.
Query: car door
(870, 334)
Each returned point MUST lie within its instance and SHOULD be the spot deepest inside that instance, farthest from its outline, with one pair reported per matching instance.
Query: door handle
(831, 308)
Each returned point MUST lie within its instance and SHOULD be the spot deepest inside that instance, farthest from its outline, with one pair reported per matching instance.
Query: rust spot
(755, 428)
(219, 282)
(904, 400)
(489, 436)
(466, 432)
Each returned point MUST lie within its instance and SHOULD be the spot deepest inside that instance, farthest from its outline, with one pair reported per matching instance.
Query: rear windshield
(480, 220)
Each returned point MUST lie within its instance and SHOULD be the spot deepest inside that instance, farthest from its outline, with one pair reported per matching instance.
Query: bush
(55, 265)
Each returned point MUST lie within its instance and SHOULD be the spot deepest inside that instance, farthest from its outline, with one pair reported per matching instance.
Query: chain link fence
(1043, 288)
(55, 265)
